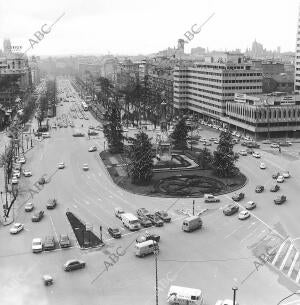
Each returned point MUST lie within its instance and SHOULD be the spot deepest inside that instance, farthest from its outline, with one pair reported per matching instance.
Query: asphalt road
(213, 259)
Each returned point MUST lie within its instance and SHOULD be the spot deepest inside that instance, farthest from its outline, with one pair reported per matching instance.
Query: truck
(130, 221)
(184, 295)
(192, 223)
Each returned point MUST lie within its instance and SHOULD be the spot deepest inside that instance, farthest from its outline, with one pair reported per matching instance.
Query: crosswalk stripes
(286, 257)
(293, 264)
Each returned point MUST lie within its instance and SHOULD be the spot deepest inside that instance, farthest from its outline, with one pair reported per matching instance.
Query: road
(221, 255)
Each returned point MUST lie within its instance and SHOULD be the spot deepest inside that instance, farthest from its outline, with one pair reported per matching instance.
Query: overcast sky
(141, 27)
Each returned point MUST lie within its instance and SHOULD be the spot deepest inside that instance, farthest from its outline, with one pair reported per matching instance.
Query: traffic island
(86, 238)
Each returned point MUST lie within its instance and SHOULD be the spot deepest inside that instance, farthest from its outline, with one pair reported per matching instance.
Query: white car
(244, 215)
(27, 173)
(275, 145)
(46, 135)
(92, 148)
(37, 245)
(16, 228)
(286, 174)
(243, 152)
(14, 180)
(256, 155)
(16, 173)
(22, 160)
(29, 207)
(85, 167)
(280, 179)
(61, 165)
(262, 166)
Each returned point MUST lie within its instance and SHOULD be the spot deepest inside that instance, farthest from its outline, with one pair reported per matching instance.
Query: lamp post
(234, 293)
(156, 250)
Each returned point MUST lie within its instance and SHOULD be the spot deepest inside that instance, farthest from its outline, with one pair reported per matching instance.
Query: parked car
(163, 215)
(16, 228)
(42, 181)
(29, 207)
(27, 173)
(22, 160)
(259, 189)
(275, 188)
(155, 220)
(280, 179)
(37, 245)
(244, 215)
(238, 196)
(279, 200)
(64, 241)
(274, 145)
(256, 155)
(78, 134)
(285, 144)
(49, 243)
(243, 152)
(230, 209)
(92, 148)
(16, 173)
(85, 167)
(36, 217)
(118, 212)
(61, 165)
(148, 236)
(51, 204)
(14, 180)
(286, 174)
(276, 175)
(144, 221)
(143, 212)
(74, 264)
(249, 151)
(262, 165)
(114, 232)
(250, 205)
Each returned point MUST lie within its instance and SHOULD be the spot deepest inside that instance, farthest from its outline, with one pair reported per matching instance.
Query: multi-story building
(274, 115)
(206, 87)
(297, 57)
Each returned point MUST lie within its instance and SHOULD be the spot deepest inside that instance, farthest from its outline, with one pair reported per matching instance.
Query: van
(145, 248)
(182, 295)
(191, 223)
(130, 221)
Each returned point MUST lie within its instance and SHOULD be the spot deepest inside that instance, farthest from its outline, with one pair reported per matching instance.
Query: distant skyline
(133, 27)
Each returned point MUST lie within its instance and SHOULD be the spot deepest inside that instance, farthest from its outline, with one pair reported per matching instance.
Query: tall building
(297, 57)
(205, 87)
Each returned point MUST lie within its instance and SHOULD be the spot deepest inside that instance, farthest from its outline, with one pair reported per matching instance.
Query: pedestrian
(279, 149)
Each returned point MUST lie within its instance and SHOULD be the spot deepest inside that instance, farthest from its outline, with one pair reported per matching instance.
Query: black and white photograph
(149, 152)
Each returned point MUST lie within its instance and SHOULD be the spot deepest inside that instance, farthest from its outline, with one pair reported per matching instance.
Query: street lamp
(156, 251)
(294, 293)
(234, 293)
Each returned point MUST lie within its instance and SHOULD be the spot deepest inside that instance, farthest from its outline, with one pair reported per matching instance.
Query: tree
(180, 134)
(205, 158)
(141, 166)
(113, 129)
(224, 157)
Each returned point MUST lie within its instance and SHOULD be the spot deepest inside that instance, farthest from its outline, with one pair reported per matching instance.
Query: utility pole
(156, 250)
(193, 207)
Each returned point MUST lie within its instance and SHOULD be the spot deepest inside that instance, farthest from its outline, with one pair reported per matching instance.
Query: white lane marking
(230, 234)
(286, 257)
(252, 224)
(53, 227)
(75, 206)
(293, 264)
(278, 252)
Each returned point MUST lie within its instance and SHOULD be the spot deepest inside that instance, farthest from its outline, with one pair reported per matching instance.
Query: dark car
(78, 134)
(275, 188)
(279, 200)
(249, 151)
(156, 220)
(74, 264)
(51, 204)
(253, 145)
(148, 236)
(64, 241)
(142, 212)
(92, 133)
(230, 209)
(276, 175)
(42, 181)
(144, 221)
(36, 217)
(259, 189)
(163, 215)
(49, 243)
(238, 196)
(114, 232)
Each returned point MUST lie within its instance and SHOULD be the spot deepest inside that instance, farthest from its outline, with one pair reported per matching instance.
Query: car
(118, 212)
(49, 243)
(144, 221)
(29, 207)
(22, 160)
(36, 217)
(207, 143)
(14, 180)
(252, 145)
(280, 179)
(262, 165)
(250, 205)
(37, 245)
(279, 200)
(61, 165)
(275, 188)
(148, 236)
(114, 232)
(210, 198)
(85, 167)
(16, 173)
(16, 228)
(45, 135)
(92, 148)
(244, 215)
(285, 144)
(42, 181)
(163, 215)
(216, 142)
(74, 264)
(78, 134)
(256, 155)
(92, 132)
(249, 151)
(238, 196)
(230, 209)
(27, 173)
(276, 175)
(155, 220)
(64, 241)
(143, 212)
(286, 174)
(259, 189)
(243, 152)
(274, 145)
(17, 166)
(51, 204)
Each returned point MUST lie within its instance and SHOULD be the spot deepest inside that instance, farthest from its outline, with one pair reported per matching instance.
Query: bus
(84, 106)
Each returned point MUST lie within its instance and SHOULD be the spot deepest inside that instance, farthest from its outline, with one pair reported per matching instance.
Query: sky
(132, 27)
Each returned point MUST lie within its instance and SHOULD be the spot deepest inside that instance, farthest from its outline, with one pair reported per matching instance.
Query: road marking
(298, 276)
(252, 224)
(286, 256)
(278, 252)
(75, 206)
(234, 231)
(293, 264)
(53, 227)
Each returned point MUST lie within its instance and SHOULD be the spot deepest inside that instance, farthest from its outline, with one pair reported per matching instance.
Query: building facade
(297, 57)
